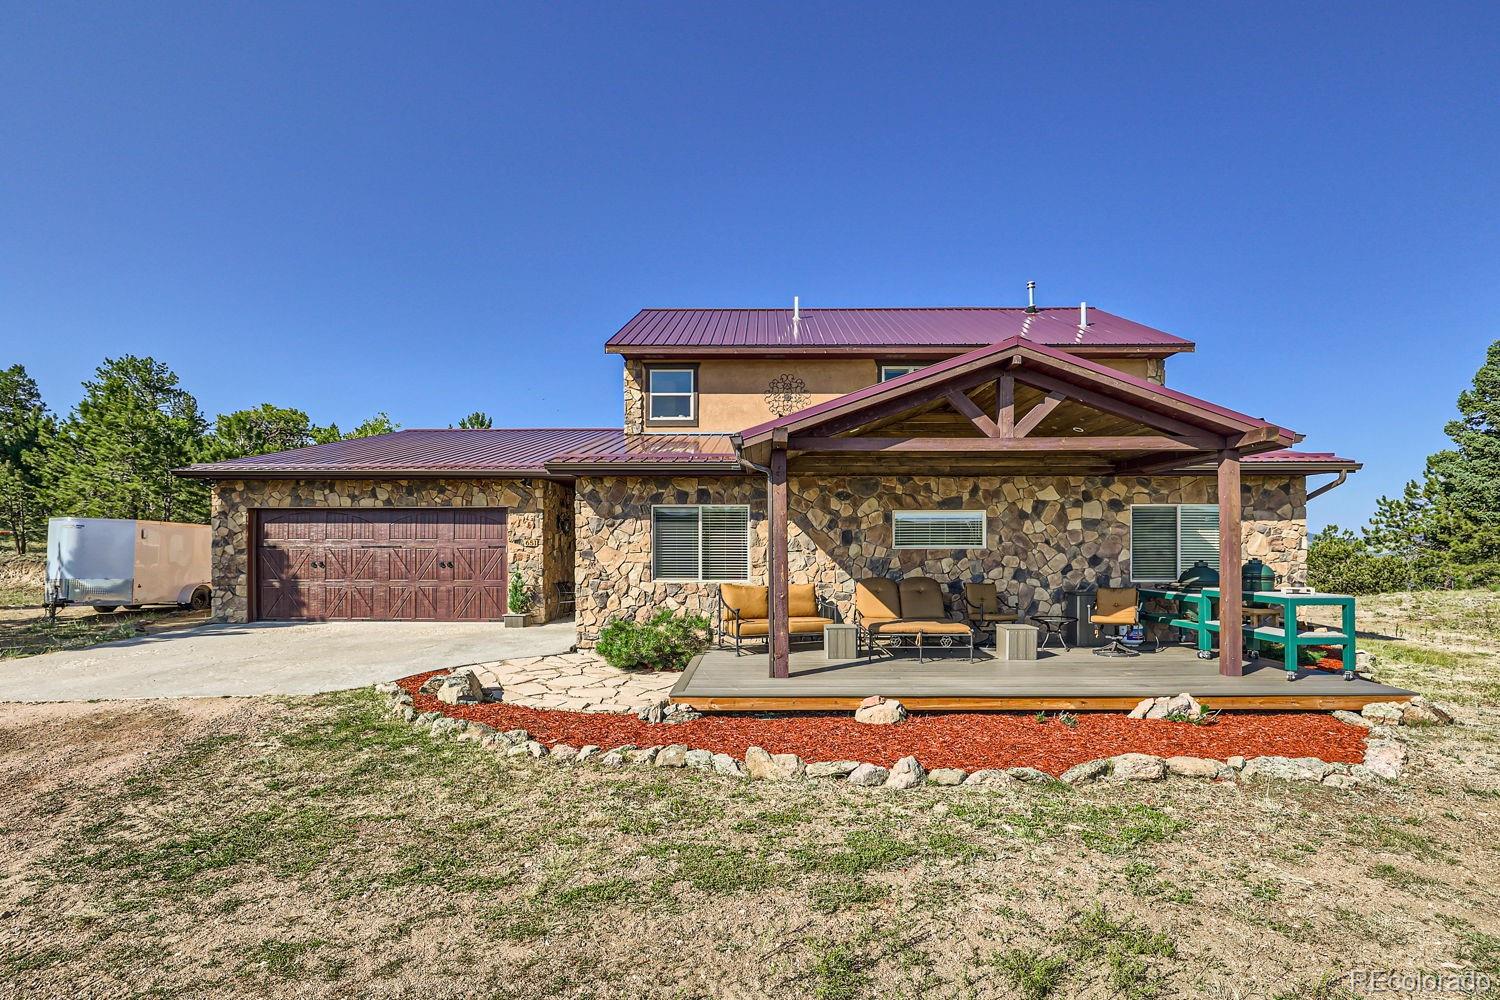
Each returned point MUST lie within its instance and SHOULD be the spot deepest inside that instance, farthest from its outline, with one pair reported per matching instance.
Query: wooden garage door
(414, 564)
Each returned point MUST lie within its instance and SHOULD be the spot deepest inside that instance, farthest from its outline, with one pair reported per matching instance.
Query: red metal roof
(637, 450)
(522, 451)
(881, 329)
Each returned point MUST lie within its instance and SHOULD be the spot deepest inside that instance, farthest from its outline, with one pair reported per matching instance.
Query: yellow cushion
(921, 597)
(748, 599)
(927, 626)
(877, 598)
(802, 601)
(754, 628)
(1125, 616)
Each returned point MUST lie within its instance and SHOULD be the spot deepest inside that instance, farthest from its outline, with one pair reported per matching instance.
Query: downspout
(1343, 478)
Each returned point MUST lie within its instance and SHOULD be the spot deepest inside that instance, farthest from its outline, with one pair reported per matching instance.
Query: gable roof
(886, 331)
(1085, 374)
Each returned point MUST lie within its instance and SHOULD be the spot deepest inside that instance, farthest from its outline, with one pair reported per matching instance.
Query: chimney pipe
(1083, 315)
(1031, 296)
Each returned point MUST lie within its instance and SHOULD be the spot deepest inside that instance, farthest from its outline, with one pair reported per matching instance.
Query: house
(1040, 448)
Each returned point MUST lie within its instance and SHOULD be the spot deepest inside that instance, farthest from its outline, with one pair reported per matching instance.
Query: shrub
(663, 643)
(1339, 562)
(519, 597)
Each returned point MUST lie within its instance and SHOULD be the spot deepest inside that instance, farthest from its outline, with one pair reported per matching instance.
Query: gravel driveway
(269, 658)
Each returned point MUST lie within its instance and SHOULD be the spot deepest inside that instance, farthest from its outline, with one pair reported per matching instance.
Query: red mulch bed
(970, 740)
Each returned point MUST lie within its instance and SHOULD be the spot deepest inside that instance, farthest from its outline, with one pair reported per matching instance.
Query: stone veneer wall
(635, 396)
(1047, 534)
(538, 524)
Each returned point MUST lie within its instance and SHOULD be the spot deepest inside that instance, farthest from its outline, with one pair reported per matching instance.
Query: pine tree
(1453, 514)
(477, 420)
(24, 422)
(114, 454)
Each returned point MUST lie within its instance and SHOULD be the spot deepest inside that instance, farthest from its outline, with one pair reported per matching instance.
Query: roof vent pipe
(1083, 315)
(796, 314)
(1031, 296)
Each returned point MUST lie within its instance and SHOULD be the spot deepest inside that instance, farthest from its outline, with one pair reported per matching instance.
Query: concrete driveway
(269, 658)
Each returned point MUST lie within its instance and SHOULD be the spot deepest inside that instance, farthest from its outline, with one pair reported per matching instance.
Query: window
(888, 372)
(672, 395)
(938, 529)
(1166, 539)
(700, 543)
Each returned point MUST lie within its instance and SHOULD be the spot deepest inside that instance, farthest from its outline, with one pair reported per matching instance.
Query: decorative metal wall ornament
(786, 394)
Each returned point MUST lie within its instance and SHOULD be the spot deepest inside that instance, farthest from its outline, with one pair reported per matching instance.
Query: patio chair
(744, 613)
(1116, 606)
(906, 613)
(985, 609)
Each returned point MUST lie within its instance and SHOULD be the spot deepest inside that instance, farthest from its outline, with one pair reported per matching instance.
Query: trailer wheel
(202, 598)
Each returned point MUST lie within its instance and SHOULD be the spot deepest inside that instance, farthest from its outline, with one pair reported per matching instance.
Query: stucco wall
(1047, 534)
(538, 524)
(732, 392)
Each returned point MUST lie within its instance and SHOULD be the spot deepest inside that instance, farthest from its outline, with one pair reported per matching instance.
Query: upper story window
(888, 372)
(672, 395)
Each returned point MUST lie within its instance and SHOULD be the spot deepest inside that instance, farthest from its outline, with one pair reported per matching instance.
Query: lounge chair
(744, 613)
(908, 613)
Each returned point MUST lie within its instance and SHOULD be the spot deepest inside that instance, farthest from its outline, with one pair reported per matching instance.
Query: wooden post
(1231, 599)
(1005, 405)
(776, 571)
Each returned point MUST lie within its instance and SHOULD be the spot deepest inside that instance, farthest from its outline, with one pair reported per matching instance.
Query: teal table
(1204, 623)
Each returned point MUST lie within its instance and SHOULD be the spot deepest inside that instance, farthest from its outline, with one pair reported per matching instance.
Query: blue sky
(430, 209)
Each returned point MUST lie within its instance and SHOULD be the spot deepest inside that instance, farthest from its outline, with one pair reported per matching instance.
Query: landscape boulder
(460, 688)
(878, 711)
(1286, 768)
(699, 760)
(674, 755)
(1196, 767)
(1421, 712)
(1353, 719)
(868, 775)
(946, 776)
(832, 768)
(728, 766)
(763, 766)
(1137, 767)
(1383, 713)
(1030, 775)
(988, 777)
(1089, 770)
(906, 773)
(1384, 759)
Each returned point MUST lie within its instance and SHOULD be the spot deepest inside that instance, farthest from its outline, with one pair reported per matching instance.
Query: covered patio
(1015, 410)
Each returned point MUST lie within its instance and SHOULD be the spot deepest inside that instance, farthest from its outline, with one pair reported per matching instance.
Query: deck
(719, 681)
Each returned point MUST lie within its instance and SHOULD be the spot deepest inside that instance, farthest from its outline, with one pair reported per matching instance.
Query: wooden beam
(1005, 405)
(1038, 413)
(1231, 602)
(864, 416)
(1259, 437)
(776, 571)
(1157, 465)
(999, 445)
(964, 405)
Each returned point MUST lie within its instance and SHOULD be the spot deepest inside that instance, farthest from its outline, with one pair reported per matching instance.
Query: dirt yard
(314, 848)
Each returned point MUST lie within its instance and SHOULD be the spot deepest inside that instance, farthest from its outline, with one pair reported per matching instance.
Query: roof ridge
(598, 430)
(808, 309)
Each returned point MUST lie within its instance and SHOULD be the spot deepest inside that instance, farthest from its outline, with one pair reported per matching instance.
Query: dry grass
(311, 847)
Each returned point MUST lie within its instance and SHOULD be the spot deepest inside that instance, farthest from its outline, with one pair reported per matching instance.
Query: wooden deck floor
(719, 681)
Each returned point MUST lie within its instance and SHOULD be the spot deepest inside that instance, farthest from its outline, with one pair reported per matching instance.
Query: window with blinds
(702, 543)
(1166, 539)
(938, 529)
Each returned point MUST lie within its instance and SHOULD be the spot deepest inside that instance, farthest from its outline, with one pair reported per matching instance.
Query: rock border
(1384, 762)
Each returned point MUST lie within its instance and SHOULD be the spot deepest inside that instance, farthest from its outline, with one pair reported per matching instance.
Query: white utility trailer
(111, 563)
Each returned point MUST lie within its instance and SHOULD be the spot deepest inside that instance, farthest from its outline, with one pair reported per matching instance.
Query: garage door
(419, 565)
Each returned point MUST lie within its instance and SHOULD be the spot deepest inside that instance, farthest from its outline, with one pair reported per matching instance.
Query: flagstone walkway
(575, 682)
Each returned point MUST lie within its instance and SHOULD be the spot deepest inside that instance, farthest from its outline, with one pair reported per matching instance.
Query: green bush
(1340, 562)
(519, 597)
(663, 643)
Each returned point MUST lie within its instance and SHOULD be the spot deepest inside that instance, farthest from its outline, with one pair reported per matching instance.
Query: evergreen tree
(114, 454)
(260, 431)
(1452, 516)
(24, 422)
(477, 419)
